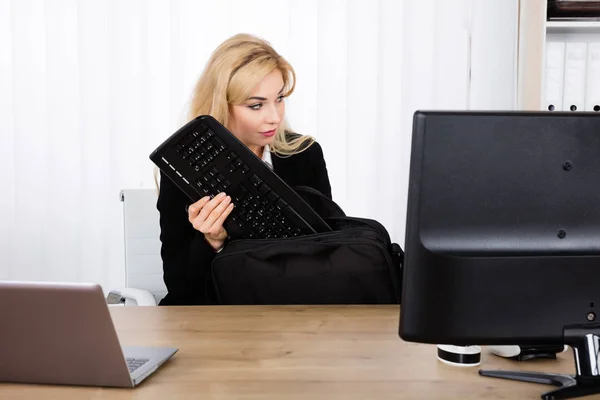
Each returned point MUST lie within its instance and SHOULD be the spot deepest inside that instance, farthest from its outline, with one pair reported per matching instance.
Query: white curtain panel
(88, 88)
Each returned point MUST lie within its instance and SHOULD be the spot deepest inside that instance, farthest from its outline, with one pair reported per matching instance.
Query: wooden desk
(289, 352)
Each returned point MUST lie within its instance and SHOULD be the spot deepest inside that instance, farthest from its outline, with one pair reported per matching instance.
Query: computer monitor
(502, 239)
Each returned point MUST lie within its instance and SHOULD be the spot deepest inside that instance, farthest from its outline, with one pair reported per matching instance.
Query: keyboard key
(135, 363)
(272, 197)
(281, 204)
(219, 144)
(186, 141)
(241, 194)
(264, 189)
(255, 180)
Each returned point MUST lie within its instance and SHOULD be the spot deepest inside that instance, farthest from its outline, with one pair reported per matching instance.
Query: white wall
(89, 88)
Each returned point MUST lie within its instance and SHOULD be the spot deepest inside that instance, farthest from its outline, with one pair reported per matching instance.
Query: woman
(243, 86)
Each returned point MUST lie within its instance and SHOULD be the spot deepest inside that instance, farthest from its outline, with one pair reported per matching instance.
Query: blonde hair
(234, 69)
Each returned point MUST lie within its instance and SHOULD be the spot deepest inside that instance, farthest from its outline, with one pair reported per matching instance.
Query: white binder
(592, 86)
(575, 74)
(552, 98)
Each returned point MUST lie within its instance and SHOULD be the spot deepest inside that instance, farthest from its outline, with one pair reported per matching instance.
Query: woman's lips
(268, 133)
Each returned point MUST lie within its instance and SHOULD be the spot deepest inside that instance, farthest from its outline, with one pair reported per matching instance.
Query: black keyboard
(204, 158)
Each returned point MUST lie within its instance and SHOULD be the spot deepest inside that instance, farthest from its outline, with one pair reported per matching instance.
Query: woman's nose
(273, 116)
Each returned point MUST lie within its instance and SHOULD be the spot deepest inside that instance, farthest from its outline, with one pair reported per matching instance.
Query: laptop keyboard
(135, 363)
(203, 158)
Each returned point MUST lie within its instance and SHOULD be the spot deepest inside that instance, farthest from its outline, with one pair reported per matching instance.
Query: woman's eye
(280, 98)
(256, 106)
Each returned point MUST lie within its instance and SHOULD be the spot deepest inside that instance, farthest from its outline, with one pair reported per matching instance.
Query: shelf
(573, 26)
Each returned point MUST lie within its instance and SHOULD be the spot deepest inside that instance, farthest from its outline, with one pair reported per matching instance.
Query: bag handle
(398, 253)
(322, 204)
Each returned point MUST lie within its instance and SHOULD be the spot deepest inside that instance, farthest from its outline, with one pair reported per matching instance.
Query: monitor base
(570, 386)
(541, 351)
(527, 352)
(585, 341)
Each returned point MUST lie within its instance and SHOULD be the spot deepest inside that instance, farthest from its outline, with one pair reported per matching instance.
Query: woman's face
(255, 121)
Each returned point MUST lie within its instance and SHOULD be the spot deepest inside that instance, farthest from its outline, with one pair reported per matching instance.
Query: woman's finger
(210, 206)
(195, 208)
(218, 225)
(216, 213)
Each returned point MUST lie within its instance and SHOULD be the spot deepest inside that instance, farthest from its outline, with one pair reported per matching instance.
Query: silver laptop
(62, 333)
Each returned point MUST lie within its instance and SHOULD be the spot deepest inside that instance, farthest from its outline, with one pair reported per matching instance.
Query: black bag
(356, 263)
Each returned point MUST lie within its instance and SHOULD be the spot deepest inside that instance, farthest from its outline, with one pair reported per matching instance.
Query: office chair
(144, 283)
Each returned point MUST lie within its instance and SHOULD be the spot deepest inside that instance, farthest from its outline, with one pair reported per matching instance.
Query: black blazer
(187, 257)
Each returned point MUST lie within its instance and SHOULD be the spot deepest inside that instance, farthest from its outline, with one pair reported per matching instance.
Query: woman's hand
(207, 216)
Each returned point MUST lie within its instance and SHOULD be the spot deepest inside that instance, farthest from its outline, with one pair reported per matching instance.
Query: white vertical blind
(88, 88)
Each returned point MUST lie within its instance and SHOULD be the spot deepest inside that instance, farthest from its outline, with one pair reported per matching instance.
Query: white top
(266, 157)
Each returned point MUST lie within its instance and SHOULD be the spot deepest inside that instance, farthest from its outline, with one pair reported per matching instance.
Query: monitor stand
(532, 352)
(585, 342)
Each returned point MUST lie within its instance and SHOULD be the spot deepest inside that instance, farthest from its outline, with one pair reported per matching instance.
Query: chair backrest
(143, 263)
